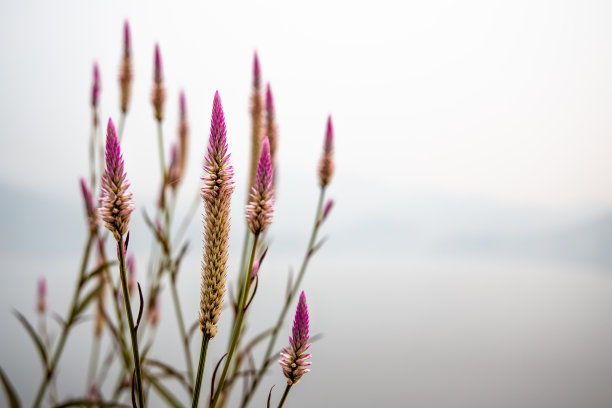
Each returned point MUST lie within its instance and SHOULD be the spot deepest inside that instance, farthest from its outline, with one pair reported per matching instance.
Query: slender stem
(71, 315)
(282, 401)
(181, 324)
(292, 293)
(92, 150)
(93, 359)
(128, 309)
(121, 125)
(237, 326)
(198, 381)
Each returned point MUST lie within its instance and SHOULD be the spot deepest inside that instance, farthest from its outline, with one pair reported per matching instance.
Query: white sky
(507, 101)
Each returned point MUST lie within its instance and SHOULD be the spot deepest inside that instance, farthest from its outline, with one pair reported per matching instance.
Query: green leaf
(98, 270)
(37, 341)
(91, 296)
(89, 403)
(10, 391)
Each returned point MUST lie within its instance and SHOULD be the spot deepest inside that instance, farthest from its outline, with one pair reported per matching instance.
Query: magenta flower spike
(182, 105)
(294, 357)
(327, 209)
(326, 166)
(125, 72)
(95, 86)
(127, 39)
(216, 193)
(90, 210)
(41, 303)
(261, 205)
(116, 201)
(158, 95)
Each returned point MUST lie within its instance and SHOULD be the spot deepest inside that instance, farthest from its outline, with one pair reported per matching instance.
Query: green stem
(198, 382)
(162, 163)
(181, 324)
(93, 360)
(128, 309)
(121, 125)
(92, 151)
(292, 293)
(237, 326)
(282, 401)
(71, 315)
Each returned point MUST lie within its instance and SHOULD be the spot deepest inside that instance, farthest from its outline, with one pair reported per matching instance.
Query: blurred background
(468, 262)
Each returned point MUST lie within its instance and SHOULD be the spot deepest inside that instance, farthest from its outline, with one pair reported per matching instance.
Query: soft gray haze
(468, 261)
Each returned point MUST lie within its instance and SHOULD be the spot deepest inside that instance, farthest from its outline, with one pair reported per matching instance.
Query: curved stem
(294, 289)
(282, 401)
(237, 326)
(71, 315)
(198, 381)
(128, 309)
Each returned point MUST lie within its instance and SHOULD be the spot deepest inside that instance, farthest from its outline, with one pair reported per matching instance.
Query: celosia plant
(132, 337)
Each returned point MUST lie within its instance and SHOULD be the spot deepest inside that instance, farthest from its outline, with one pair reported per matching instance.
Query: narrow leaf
(10, 391)
(37, 341)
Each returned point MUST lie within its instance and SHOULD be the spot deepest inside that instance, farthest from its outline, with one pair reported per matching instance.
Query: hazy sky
(507, 101)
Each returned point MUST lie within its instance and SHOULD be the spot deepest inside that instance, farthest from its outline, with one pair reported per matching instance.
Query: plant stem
(162, 163)
(294, 289)
(198, 381)
(282, 401)
(71, 315)
(121, 125)
(181, 324)
(237, 325)
(128, 309)
(93, 360)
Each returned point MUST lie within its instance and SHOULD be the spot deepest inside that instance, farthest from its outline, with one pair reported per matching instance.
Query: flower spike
(125, 72)
(294, 357)
(116, 201)
(158, 95)
(261, 205)
(326, 166)
(216, 193)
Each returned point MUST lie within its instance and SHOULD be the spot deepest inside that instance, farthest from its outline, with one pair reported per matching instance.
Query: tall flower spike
(158, 95)
(216, 193)
(261, 204)
(326, 167)
(116, 201)
(183, 132)
(256, 120)
(125, 72)
(95, 86)
(294, 357)
(271, 131)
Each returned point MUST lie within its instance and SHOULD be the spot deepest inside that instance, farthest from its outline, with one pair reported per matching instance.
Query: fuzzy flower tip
(261, 204)
(256, 72)
(90, 211)
(125, 72)
(294, 357)
(116, 201)
(257, 116)
(216, 193)
(95, 86)
(158, 94)
(326, 166)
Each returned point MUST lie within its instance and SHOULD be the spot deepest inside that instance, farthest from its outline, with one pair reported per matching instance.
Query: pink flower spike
(95, 86)
(90, 210)
(157, 71)
(256, 72)
(116, 201)
(182, 105)
(326, 166)
(327, 209)
(261, 206)
(294, 357)
(41, 303)
(127, 40)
